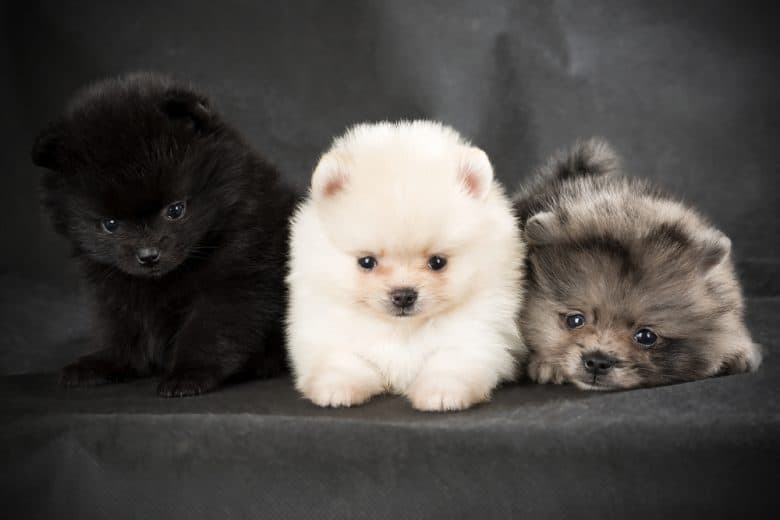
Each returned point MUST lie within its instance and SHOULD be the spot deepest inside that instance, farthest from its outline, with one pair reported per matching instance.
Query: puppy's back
(587, 159)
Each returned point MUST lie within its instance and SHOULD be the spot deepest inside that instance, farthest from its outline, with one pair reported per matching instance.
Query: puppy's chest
(156, 313)
(147, 298)
(398, 358)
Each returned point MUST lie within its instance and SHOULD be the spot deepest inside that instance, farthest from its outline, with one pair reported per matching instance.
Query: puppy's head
(135, 178)
(617, 298)
(405, 206)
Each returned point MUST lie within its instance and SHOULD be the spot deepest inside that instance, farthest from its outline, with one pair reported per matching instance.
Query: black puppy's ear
(49, 148)
(190, 108)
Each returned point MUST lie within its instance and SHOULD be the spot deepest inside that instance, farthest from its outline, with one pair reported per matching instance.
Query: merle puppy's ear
(713, 247)
(189, 107)
(49, 148)
(542, 228)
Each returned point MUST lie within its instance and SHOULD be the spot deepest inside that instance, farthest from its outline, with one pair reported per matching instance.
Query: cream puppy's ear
(330, 177)
(476, 172)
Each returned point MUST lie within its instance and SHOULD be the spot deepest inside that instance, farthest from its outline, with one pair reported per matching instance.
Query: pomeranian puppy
(181, 232)
(626, 286)
(405, 272)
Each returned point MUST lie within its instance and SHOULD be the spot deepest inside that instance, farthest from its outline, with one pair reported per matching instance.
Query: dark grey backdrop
(687, 91)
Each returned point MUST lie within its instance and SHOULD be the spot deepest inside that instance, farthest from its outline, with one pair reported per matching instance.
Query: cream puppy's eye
(367, 262)
(437, 263)
(575, 320)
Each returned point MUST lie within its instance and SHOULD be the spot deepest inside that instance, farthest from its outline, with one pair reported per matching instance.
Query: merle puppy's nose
(597, 363)
(403, 297)
(147, 255)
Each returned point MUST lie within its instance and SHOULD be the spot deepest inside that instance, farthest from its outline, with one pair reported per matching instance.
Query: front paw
(441, 395)
(181, 383)
(543, 371)
(336, 391)
(92, 372)
(743, 361)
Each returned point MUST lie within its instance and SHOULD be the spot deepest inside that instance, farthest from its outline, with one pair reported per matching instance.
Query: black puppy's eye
(437, 262)
(575, 321)
(109, 225)
(175, 210)
(645, 337)
(367, 262)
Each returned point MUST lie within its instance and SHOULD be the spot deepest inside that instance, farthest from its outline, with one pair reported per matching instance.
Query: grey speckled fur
(627, 257)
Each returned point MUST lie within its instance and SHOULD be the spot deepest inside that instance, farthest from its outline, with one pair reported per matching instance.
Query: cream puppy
(405, 272)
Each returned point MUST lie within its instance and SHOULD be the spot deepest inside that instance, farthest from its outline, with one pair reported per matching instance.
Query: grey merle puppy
(626, 286)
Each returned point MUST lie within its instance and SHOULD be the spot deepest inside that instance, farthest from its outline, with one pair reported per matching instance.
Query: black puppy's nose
(404, 297)
(147, 255)
(597, 362)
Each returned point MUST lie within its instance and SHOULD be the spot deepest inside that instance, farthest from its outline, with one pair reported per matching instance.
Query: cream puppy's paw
(338, 387)
(445, 394)
(543, 371)
(337, 394)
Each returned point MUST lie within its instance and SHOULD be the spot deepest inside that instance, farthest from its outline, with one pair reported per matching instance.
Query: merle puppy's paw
(92, 372)
(543, 371)
(741, 362)
(180, 383)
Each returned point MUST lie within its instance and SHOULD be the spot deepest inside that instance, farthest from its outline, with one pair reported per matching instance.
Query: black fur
(212, 307)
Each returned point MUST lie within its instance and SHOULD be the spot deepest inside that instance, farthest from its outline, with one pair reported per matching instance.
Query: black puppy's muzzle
(148, 256)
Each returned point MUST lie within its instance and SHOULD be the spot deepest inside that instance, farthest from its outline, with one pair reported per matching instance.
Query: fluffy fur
(181, 232)
(621, 257)
(403, 194)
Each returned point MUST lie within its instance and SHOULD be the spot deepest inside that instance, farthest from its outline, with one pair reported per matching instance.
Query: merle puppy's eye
(176, 210)
(109, 225)
(646, 337)
(367, 262)
(437, 263)
(575, 320)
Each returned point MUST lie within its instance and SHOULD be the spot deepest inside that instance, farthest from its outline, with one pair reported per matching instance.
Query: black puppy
(181, 230)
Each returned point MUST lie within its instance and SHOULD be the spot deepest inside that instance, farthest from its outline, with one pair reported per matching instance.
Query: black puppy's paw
(92, 372)
(186, 383)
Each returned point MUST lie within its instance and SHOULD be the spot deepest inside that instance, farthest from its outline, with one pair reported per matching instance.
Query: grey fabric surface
(256, 450)
(685, 91)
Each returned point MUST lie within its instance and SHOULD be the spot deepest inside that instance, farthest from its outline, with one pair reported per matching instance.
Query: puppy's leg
(341, 379)
(542, 369)
(99, 368)
(741, 356)
(216, 342)
(116, 362)
(455, 379)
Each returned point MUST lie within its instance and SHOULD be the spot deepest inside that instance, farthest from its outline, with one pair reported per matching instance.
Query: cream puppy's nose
(403, 297)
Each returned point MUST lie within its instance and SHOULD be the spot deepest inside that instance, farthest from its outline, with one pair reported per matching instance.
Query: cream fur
(403, 192)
